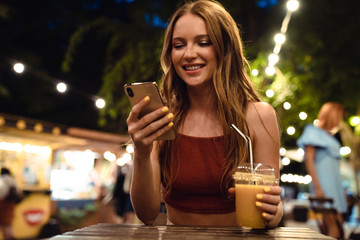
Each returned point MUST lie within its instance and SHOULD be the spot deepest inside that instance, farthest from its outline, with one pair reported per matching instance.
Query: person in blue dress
(322, 159)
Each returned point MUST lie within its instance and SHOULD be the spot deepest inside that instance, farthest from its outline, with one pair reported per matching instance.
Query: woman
(322, 155)
(206, 87)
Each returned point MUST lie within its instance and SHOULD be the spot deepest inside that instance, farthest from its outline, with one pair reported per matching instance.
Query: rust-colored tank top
(199, 163)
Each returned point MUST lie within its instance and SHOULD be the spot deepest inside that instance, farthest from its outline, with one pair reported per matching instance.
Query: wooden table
(106, 231)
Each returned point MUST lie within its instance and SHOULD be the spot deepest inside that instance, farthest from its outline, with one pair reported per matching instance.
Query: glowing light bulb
(344, 151)
(269, 93)
(273, 59)
(130, 148)
(255, 72)
(292, 5)
(279, 38)
(61, 87)
(303, 115)
(100, 103)
(285, 161)
(287, 105)
(270, 71)
(291, 130)
(354, 121)
(19, 67)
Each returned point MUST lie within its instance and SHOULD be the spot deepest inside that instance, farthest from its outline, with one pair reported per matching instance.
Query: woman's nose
(190, 52)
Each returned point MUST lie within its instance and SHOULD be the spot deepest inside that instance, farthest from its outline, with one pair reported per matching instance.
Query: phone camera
(130, 92)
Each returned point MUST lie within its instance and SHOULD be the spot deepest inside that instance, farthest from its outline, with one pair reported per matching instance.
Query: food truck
(55, 166)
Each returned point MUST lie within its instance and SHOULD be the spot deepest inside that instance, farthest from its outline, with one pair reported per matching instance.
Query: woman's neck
(202, 99)
(202, 119)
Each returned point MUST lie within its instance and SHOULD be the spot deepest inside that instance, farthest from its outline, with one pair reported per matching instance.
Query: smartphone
(139, 90)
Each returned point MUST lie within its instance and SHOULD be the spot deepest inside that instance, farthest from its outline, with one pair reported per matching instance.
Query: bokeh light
(19, 67)
(61, 87)
(292, 5)
(100, 103)
(291, 130)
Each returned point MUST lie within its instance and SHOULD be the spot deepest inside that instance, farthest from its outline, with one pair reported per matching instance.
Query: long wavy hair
(233, 87)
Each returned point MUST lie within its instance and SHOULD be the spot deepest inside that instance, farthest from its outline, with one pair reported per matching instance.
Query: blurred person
(206, 87)
(121, 195)
(322, 160)
(9, 197)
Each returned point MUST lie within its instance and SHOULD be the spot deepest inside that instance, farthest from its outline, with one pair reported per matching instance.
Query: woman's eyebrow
(196, 37)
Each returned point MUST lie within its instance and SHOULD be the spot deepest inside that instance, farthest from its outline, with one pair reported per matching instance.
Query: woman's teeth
(191, 68)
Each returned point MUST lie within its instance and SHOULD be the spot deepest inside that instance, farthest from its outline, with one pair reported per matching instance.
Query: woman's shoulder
(262, 119)
(260, 111)
(311, 129)
(314, 136)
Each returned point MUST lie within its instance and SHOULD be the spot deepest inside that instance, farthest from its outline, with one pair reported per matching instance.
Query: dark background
(96, 46)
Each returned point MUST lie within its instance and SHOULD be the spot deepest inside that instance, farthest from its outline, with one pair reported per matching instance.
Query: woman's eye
(204, 43)
(178, 45)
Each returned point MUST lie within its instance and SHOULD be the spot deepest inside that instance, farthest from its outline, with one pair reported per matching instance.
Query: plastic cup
(248, 183)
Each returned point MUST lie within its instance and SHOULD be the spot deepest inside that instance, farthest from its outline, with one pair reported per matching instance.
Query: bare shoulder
(261, 117)
(260, 111)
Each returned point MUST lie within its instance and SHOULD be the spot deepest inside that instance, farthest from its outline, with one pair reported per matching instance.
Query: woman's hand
(319, 192)
(269, 202)
(145, 130)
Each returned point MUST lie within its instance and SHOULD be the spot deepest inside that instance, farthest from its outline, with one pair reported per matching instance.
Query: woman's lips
(34, 217)
(192, 68)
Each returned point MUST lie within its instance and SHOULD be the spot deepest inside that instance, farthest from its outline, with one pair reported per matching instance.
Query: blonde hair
(330, 115)
(233, 87)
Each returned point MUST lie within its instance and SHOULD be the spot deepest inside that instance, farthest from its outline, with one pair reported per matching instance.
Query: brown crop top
(196, 188)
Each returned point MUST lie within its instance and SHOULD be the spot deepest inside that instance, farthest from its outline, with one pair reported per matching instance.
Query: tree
(318, 62)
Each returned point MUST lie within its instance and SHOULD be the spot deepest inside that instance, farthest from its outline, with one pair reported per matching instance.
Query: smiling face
(193, 55)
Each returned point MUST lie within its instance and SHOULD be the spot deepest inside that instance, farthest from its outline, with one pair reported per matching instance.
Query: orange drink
(249, 182)
(249, 215)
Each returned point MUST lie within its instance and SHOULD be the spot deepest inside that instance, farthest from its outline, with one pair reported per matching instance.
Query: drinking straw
(248, 141)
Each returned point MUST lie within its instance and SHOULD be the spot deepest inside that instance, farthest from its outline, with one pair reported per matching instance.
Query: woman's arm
(264, 132)
(310, 152)
(145, 187)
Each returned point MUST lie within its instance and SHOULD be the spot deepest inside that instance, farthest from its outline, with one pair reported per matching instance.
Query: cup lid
(258, 168)
(259, 173)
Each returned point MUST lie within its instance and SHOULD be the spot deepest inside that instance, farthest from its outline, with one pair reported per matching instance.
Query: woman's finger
(136, 110)
(266, 207)
(274, 190)
(156, 125)
(231, 191)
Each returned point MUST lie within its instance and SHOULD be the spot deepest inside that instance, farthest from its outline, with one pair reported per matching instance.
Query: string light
(295, 178)
(290, 130)
(303, 115)
(61, 87)
(344, 151)
(286, 105)
(285, 161)
(255, 72)
(100, 103)
(282, 151)
(354, 120)
(279, 38)
(269, 93)
(292, 5)
(273, 59)
(109, 156)
(270, 70)
(130, 148)
(19, 67)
